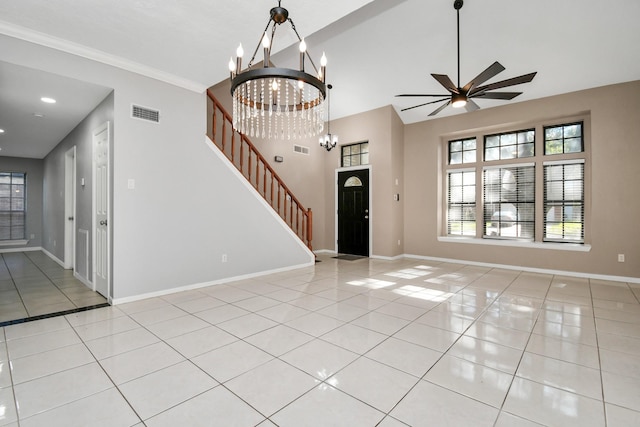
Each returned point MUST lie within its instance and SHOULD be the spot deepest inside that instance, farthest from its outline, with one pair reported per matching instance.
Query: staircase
(254, 167)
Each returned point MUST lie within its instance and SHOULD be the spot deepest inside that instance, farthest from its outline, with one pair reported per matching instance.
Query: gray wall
(54, 173)
(33, 168)
(188, 208)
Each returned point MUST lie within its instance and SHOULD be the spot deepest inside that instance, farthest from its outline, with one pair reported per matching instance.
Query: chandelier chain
(293, 26)
(255, 52)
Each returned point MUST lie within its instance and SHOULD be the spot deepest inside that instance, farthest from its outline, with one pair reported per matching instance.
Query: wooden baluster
(264, 181)
(233, 146)
(257, 171)
(241, 153)
(271, 201)
(224, 134)
(291, 210)
(278, 209)
(213, 123)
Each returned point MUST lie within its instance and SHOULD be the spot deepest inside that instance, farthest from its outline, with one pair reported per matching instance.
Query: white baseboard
(116, 301)
(53, 257)
(86, 282)
(325, 251)
(530, 269)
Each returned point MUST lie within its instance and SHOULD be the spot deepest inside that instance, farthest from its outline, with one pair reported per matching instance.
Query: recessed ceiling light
(38, 115)
(1, 130)
(48, 100)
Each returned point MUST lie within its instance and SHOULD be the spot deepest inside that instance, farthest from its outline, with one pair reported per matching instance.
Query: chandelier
(329, 141)
(271, 102)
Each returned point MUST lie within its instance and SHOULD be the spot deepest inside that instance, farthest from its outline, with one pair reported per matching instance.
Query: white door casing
(70, 208)
(101, 220)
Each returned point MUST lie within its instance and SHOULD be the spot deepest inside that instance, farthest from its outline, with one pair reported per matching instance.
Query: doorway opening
(353, 212)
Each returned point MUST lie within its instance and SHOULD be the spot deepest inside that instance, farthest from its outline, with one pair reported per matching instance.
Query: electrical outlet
(398, 242)
(33, 236)
(620, 257)
(224, 258)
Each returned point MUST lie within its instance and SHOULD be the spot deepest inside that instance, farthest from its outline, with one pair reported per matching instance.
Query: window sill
(518, 244)
(13, 242)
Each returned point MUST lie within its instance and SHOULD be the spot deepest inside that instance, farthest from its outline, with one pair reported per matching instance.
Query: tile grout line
(524, 350)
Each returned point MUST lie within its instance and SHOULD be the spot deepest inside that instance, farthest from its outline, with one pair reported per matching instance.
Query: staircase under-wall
(244, 155)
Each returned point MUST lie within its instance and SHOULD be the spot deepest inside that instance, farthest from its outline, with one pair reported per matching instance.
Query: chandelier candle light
(271, 102)
(328, 141)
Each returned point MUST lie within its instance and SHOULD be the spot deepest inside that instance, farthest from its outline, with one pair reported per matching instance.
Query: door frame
(105, 126)
(70, 208)
(371, 214)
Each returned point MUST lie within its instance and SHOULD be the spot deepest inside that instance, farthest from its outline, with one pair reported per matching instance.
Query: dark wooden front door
(353, 212)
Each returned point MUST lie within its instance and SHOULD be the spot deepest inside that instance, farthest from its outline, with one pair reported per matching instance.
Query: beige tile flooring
(32, 284)
(343, 343)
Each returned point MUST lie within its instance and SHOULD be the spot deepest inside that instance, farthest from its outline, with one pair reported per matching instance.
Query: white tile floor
(343, 343)
(32, 284)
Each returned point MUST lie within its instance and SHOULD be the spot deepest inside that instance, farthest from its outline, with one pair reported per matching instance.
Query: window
(564, 202)
(495, 197)
(563, 139)
(509, 201)
(355, 154)
(462, 151)
(462, 203)
(512, 145)
(12, 205)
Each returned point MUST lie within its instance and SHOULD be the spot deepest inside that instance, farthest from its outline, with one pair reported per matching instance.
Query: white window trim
(572, 247)
(563, 162)
(13, 242)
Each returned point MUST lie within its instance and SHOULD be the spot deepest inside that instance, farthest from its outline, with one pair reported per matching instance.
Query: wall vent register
(144, 113)
(301, 149)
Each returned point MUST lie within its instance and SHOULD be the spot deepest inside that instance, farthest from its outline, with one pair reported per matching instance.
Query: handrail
(260, 175)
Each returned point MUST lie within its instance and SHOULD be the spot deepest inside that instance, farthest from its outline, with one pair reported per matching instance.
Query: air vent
(144, 113)
(300, 149)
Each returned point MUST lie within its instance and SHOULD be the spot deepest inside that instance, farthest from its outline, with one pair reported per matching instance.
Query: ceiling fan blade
(497, 95)
(440, 108)
(426, 103)
(504, 83)
(471, 106)
(493, 70)
(445, 81)
(423, 94)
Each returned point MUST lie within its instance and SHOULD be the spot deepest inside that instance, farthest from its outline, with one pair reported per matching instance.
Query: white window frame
(539, 159)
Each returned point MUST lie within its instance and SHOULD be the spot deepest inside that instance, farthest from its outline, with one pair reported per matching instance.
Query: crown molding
(76, 49)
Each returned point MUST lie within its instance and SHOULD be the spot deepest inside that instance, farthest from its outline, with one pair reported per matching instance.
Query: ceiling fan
(461, 96)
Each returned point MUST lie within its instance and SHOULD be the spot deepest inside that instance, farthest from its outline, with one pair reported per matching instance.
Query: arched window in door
(353, 181)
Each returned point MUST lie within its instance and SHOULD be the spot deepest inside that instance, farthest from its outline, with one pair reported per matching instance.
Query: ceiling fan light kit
(458, 96)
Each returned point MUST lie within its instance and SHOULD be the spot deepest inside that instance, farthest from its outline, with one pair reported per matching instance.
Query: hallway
(32, 284)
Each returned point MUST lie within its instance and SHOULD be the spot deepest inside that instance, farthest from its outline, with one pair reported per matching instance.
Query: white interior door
(101, 220)
(70, 208)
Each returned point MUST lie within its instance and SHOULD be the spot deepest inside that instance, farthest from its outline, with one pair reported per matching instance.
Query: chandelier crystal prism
(277, 103)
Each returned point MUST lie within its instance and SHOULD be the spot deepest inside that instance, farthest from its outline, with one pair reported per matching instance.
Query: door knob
(70, 218)
(366, 217)
(103, 222)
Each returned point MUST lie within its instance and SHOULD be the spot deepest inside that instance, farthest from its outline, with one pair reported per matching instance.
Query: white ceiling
(376, 49)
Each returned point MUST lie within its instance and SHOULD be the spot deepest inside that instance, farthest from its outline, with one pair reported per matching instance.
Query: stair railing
(254, 167)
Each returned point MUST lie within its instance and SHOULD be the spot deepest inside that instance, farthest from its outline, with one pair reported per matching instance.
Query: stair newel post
(309, 227)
